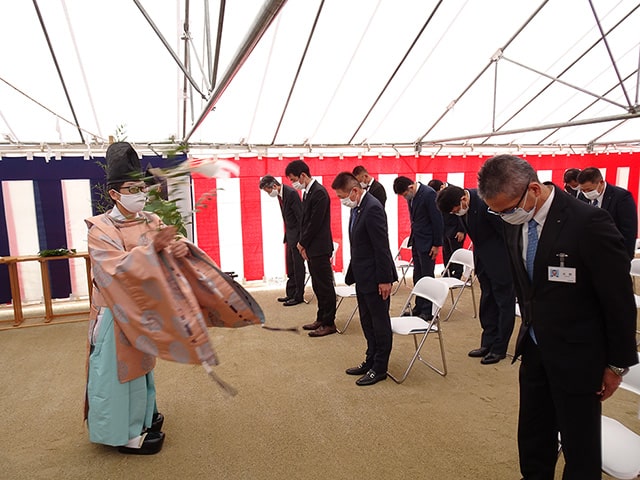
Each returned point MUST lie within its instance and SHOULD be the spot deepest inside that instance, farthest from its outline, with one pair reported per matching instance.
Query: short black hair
(448, 198)
(296, 168)
(359, 170)
(268, 181)
(570, 175)
(345, 181)
(590, 174)
(401, 184)
(436, 184)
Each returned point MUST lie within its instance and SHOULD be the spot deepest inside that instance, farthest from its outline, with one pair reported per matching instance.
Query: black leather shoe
(291, 302)
(478, 352)
(151, 445)
(490, 358)
(359, 370)
(370, 378)
(283, 299)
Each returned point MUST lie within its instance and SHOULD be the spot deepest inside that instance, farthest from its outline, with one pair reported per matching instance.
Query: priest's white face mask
(133, 202)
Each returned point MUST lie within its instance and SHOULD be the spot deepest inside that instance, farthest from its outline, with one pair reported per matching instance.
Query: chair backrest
(403, 246)
(432, 289)
(631, 381)
(635, 267)
(463, 257)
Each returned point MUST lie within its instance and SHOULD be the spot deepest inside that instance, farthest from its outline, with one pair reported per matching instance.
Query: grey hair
(506, 174)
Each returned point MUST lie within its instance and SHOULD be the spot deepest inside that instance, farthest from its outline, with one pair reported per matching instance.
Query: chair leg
(418, 356)
(454, 303)
(346, 325)
(403, 279)
(473, 299)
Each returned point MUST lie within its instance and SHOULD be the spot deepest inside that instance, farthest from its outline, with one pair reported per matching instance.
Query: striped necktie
(532, 245)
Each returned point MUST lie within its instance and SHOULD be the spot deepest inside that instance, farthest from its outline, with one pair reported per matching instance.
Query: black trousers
(496, 312)
(450, 245)
(295, 273)
(423, 266)
(546, 408)
(322, 282)
(376, 326)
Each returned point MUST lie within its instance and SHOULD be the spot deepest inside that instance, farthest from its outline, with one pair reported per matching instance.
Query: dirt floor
(297, 414)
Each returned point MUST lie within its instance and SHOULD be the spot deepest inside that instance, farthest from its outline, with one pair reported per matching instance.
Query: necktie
(532, 245)
(595, 203)
(352, 218)
(304, 196)
(281, 203)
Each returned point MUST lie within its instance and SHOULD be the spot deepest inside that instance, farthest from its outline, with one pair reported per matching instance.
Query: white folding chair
(402, 265)
(308, 275)
(620, 450)
(436, 291)
(464, 257)
(342, 292)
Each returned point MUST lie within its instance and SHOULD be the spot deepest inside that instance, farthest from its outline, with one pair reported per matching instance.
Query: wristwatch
(618, 371)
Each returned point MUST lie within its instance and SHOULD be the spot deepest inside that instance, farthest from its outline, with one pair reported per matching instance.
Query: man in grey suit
(291, 209)
(577, 339)
(372, 270)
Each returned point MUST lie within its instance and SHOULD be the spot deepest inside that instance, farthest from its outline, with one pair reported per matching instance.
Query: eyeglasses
(135, 188)
(510, 210)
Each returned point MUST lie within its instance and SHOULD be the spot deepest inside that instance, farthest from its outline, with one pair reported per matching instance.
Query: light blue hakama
(118, 411)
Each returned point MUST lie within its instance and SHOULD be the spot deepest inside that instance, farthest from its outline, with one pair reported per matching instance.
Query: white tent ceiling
(324, 74)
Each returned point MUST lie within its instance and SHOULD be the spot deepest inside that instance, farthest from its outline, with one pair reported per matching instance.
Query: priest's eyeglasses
(135, 188)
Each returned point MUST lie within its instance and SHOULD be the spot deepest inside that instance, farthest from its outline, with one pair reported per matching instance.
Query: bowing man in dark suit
(291, 209)
(316, 245)
(615, 200)
(453, 235)
(426, 233)
(570, 179)
(373, 271)
(370, 184)
(497, 300)
(571, 274)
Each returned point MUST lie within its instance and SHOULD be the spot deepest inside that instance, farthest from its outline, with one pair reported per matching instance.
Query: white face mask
(575, 189)
(297, 185)
(462, 211)
(364, 185)
(134, 202)
(592, 195)
(273, 193)
(347, 202)
(520, 216)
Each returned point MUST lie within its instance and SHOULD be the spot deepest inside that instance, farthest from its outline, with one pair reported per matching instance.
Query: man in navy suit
(291, 209)
(497, 300)
(615, 200)
(453, 236)
(426, 233)
(571, 275)
(373, 271)
(370, 184)
(316, 245)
